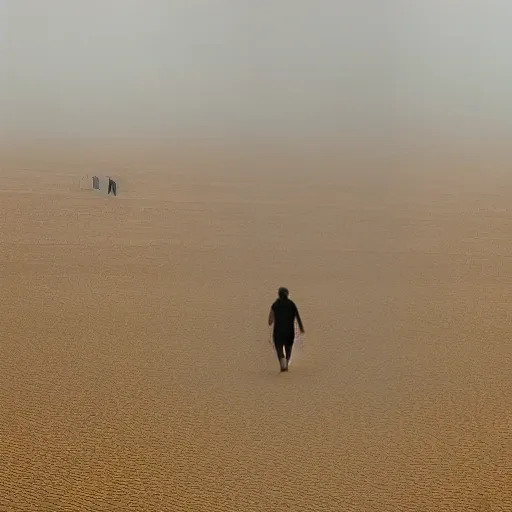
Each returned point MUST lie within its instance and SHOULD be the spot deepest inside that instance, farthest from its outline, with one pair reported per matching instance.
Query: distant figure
(112, 186)
(283, 313)
(95, 183)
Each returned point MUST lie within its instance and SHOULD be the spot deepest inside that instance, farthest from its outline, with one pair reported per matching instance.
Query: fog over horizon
(362, 69)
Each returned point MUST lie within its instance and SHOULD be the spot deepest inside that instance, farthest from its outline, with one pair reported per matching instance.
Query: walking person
(282, 315)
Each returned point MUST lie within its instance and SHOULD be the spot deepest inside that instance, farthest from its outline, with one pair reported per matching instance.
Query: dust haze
(338, 70)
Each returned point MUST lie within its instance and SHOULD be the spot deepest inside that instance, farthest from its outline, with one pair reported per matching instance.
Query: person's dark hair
(283, 292)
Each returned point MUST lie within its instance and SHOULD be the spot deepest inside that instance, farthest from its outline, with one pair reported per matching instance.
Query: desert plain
(136, 372)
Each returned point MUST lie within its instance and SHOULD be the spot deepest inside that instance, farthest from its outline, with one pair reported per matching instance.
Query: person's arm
(299, 321)
(271, 317)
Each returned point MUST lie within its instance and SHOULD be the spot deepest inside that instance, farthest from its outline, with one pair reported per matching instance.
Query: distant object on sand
(112, 186)
(106, 184)
(86, 183)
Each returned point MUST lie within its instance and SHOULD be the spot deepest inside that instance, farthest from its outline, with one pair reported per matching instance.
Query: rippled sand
(135, 368)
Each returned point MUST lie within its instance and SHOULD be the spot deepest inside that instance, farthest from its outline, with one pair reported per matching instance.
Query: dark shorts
(284, 338)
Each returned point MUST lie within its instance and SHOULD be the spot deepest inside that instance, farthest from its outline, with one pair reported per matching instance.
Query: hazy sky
(219, 68)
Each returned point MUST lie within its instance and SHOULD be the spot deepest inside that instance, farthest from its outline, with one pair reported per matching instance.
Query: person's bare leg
(281, 356)
(288, 350)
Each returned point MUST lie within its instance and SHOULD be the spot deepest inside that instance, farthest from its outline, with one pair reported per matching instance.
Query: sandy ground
(135, 368)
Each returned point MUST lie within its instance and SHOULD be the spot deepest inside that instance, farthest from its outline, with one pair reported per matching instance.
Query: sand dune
(135, 368)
